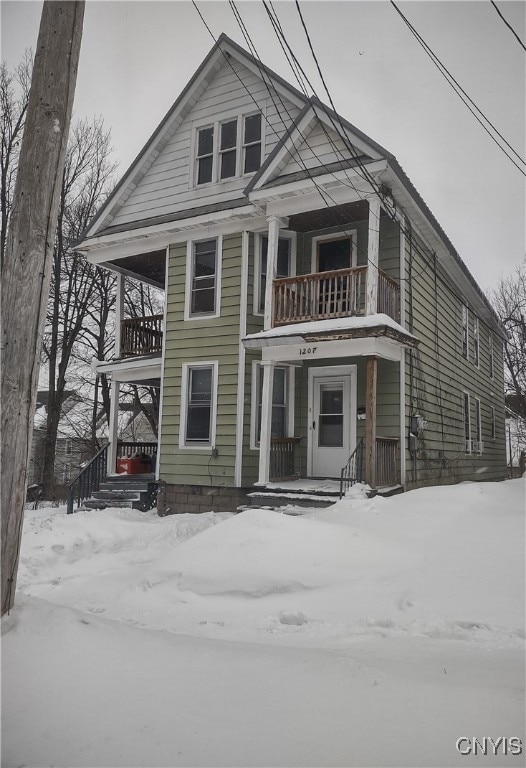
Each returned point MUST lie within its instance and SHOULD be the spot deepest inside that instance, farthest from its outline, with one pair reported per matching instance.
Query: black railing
(352, 472)
(88, 479)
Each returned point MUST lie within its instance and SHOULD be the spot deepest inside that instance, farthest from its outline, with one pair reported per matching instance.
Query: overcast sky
(136, 57)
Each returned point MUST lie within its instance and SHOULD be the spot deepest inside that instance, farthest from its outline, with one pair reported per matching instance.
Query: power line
(464, 97)
(508, 24)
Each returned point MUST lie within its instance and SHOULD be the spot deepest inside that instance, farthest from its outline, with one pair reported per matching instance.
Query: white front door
(332, 437)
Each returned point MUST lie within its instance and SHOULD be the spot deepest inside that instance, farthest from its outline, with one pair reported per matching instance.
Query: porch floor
(303, 485)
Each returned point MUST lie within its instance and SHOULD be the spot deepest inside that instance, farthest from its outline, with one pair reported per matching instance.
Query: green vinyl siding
(191, 342)
(436, 375)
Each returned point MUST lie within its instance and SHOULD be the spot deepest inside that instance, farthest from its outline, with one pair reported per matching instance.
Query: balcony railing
(141, 336)
(326, 295)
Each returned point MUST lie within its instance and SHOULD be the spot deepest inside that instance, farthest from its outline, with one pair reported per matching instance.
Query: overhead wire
(477, 113)
(508, 25)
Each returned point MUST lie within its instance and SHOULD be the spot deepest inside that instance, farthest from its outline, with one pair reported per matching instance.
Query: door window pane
(330, 431)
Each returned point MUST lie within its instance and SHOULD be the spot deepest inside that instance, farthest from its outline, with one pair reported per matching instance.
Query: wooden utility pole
(28, 257)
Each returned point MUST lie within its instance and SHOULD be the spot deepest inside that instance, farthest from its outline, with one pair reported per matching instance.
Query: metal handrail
(352, 472)
(88, 479)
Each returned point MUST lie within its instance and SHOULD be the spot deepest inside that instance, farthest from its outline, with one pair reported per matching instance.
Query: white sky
(137, 56)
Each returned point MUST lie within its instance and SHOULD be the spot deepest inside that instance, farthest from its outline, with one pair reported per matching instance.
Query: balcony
(141, 336)
(333, 294)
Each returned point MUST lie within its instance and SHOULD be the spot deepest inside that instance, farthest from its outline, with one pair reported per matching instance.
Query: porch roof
(335, 328)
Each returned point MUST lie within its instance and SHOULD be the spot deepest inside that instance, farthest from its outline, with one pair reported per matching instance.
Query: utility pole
(27, 266)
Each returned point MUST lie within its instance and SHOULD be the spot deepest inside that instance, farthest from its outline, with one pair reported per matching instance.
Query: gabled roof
(224, 48)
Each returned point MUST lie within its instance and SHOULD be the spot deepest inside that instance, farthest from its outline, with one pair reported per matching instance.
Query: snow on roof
(331, 326)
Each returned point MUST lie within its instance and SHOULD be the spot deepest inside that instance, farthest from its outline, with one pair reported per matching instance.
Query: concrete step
(275, 500)
(105, 503)
(116, 495)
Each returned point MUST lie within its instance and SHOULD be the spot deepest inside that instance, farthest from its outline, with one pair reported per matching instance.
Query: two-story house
(317, 318)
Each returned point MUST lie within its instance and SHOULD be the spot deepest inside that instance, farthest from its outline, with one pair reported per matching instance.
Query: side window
(465, 323)
(203, 278)
(283, 267)
(478, 424)
(491, 358)
(198, 406)
(476, 342)
(492, 410)
(205, 155)
(467, 422)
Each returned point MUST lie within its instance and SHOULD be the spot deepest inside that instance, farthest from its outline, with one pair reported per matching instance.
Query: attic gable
(145, 175)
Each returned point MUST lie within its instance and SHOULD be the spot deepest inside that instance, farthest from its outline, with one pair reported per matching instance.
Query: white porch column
(266, 421)
(371, 300)
(119, 312)
(113, 426)
(274, 223)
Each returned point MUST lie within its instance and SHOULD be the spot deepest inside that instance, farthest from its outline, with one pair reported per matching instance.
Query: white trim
(214, 364)
(351, 234)
(113, 426)
(294, 348)
(240, 411)
(283, 235)
(163, 357)
(266, 422)
(131, 369)
(373, 253)
(188, 279)
(402, 280)
(327, 371)
(119, 313)
(493, 423)
(491, 357)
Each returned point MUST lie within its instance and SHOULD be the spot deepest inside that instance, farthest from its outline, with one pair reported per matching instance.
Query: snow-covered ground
(371, 633)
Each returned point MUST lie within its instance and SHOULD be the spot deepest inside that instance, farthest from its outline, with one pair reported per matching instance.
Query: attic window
(228, 149)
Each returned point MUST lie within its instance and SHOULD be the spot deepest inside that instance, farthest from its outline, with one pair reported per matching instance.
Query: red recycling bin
(130, 465)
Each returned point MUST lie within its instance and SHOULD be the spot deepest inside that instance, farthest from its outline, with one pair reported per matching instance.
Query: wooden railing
(387, 461)
(141, 336)
(282, 457)
(133, 449)
(388, 296)
(326, 295)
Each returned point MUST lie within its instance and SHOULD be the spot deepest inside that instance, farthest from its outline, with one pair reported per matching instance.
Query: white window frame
(189, 276)
(467, 442)
(225, 117)
(291, 371)
(478, 427)
(491, 357)
(351, 234)
(476, 341)
(185, 376)
(464, 331)
(493, 423)
(258, 239)
(243, 145)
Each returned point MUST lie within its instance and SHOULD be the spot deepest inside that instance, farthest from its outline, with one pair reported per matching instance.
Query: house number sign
(307, 350)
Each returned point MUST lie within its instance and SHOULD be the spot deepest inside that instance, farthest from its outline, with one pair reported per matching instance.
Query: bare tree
(509, 301)
(28, 256)
(14, 95)
(76, 285)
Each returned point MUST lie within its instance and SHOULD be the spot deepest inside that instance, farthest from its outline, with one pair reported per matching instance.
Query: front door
(331, 438)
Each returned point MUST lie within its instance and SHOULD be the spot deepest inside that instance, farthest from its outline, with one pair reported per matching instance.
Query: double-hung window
(478, 424)
(280, 402)
(203, 282)
(228, 149)
(198, 404)
(492, 411)
(491, 358)
(476, 342)
(283, 266)
(467, 422)
(465, 326)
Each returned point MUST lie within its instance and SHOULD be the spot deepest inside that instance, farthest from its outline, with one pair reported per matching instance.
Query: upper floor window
(491, 358)
(465, 324)
(492, 425)
(228, 149)
(476, 342)
(478, 425)
(466, 414)
(203, 278)
(283, 267)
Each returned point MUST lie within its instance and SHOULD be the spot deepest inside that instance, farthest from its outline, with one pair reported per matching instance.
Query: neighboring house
(72, 447)
(313, 304)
